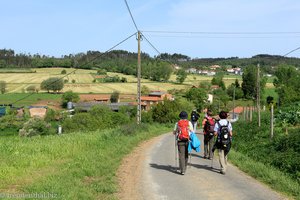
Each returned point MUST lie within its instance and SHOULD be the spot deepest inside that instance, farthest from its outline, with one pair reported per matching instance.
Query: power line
(291, 52)
(151, 44)
(225, 33)
(80, 66)
(224, 37)
(131, 15)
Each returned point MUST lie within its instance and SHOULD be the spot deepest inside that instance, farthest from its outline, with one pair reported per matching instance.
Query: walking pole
(176, 153)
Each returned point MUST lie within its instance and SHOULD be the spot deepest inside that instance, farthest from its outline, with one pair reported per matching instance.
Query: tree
(218, 80)
(181, 75)
(287, 84)
(249, 82)
(31, 89)
(249, 85)
(69, 96)
(222, 96)
(3, 86)
(145, 90)
(63, 71)
(55, 84)
(198, 96)
(114, 98)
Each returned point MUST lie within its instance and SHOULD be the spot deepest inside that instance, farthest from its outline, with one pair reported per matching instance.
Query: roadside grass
(69, 166)
(269, 175)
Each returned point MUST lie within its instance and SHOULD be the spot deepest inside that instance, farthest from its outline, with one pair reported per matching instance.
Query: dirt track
(150, 173)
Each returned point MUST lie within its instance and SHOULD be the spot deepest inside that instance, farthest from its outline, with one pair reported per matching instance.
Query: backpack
(194, 116)
(224, 135)
(183, 129)
(209, 126)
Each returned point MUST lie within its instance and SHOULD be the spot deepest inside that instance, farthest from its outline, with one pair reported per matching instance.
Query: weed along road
(149, 173)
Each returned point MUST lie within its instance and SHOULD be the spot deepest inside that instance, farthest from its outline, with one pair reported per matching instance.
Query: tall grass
(273, 177)
(70, 166)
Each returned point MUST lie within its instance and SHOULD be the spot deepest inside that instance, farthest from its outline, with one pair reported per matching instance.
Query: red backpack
(209, 126)
(183, 129)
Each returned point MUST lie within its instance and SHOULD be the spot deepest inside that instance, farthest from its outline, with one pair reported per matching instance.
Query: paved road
(160, 180)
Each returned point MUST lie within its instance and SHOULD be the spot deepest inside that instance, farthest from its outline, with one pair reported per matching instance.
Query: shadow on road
(165, 167)
(206, 167)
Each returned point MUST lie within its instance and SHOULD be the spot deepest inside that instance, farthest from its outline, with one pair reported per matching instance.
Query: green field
(68, 166)
(17, 82)
(27, 99)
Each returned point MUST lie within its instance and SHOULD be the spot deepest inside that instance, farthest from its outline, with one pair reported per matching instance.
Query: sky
(196, 28)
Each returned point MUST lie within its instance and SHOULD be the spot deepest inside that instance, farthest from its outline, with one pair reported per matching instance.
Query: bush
(35, 126)
(99, 117)
(133, 128)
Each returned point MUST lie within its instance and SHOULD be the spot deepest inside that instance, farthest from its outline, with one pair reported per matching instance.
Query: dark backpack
(194, 116)
(209, 126)
(224, 135)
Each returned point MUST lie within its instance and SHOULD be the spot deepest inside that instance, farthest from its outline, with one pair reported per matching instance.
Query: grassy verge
(70, 166)
(273, 177)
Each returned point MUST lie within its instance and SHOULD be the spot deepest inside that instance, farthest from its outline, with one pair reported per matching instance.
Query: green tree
(181, 75)
(55, 84)
(63, 71)
(222, 96)
(145, 90)
(218, 80)
(198, 96)
(3, 86)
(69, 96)
(287, 84)
(31, 89)
(114, 98)
(249, 85)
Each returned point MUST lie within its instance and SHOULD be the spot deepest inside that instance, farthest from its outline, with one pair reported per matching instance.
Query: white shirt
(223, 122)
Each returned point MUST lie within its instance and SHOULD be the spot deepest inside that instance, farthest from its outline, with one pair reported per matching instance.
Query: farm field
(17, 82)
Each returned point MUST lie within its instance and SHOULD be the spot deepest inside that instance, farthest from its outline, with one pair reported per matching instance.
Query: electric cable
(80, 66)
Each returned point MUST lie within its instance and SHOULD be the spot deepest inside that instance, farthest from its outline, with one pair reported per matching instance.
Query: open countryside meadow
(81, 81)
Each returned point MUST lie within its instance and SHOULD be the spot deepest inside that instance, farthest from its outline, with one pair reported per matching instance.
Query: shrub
(35, 126)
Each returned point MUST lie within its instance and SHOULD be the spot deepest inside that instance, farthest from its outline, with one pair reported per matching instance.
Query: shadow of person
(169, 168)
(206, 167)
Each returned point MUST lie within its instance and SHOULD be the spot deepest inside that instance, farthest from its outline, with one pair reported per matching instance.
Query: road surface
(150, 174)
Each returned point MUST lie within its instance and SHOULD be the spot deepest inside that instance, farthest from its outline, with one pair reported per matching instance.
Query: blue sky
(196, 28)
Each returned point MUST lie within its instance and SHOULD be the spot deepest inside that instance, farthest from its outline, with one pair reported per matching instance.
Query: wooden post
(139, 107)
(272, 122)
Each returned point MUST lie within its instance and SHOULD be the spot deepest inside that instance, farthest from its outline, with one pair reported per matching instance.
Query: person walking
(182, 131)
(208, 125)
(223, 131)
(194, 119)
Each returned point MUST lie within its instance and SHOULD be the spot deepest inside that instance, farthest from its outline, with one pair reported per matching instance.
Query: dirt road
(149, 173)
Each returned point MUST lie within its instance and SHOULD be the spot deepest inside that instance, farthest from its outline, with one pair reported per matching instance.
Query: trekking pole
(176, 153)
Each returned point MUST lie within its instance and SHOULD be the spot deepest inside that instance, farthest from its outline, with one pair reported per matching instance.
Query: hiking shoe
(204, 157)
(182, 173)
(222, 172)
(209, 158)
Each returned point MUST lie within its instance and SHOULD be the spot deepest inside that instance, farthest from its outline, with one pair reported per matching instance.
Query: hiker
(182, 131)
(194, 119)
(223, 131)
(208, 125)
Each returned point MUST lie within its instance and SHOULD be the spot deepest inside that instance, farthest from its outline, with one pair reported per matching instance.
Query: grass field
(27, 99)
(18, 82)
(69, 166)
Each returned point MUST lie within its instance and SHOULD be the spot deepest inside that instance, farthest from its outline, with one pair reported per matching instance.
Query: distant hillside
(125, 62)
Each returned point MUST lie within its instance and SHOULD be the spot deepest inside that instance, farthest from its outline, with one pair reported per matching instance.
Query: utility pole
(234, 102)
(139, 108)
(258, 94)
